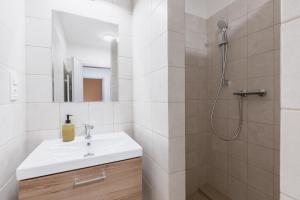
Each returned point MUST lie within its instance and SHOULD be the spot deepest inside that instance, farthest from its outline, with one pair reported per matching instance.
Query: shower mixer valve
(245, 93)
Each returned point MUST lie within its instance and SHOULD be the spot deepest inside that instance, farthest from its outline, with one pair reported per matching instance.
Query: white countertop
(55, 156)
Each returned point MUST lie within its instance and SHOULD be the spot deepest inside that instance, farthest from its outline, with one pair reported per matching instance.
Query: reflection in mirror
(85, 59)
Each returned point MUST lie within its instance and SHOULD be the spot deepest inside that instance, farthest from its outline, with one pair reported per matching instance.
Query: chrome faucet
(88, 129)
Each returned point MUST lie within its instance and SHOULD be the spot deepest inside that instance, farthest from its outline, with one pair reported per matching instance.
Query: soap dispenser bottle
(68, 130)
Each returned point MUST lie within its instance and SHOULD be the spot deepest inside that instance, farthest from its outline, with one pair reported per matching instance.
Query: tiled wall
(197, 136)
(12, 114)
(44, 118)
(247, 168)
(158, 83)
(290, 96)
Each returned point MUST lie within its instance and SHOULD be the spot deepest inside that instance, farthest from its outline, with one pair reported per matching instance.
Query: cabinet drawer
(113, 181)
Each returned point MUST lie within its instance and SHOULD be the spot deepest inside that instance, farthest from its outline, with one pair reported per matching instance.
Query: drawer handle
(78, 183)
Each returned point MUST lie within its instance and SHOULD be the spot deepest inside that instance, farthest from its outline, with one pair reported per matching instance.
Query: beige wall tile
(261, 65)
(276, 188)
(261, 157)
(237, 190)
(238, 150)
(176, 49)
(261, 18)
(177, 186)
(194, 57)
(237, 70)
(219, 161)
(237, 49)
(261, 41)
(258, 195)
(261, 111)
(237, 169)
(261, 180)
(237, 9)
(176, 86)
(261, 134)
(195, 24)
(238, 28)
(219, 180)
(255, 4)
(253, 63)
(177, 155)
(277, 11)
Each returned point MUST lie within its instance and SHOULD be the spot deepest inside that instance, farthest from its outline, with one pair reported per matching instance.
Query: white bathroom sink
(55, 156)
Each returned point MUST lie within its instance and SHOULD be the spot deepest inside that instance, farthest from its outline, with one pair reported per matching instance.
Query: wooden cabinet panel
(114, 181)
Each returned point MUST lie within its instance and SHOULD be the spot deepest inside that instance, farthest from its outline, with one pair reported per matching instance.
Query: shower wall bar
(245, 93)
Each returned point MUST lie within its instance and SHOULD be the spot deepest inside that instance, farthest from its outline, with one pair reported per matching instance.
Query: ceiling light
(109, 38)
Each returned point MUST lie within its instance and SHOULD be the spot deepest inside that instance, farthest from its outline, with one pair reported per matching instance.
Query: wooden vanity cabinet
(114, 181)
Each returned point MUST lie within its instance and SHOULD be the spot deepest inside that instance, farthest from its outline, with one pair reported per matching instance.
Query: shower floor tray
(197, 196)
(211, 194)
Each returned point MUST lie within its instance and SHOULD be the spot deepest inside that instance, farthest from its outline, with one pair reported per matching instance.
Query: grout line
(204, 194)
(38, 18)
(37, 46)
(289, 109)
(7, 182)
(293, 198)
(274, 97)
(289, 20)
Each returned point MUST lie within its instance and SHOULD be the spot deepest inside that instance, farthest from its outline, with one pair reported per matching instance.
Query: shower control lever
(245, 93)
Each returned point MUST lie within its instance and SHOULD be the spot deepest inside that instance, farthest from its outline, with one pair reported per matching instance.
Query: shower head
(222, 24)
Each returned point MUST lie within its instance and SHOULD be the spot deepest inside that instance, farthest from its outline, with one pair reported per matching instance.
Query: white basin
(55, 156)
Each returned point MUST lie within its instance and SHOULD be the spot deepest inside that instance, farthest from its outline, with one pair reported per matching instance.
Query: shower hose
(221, 84)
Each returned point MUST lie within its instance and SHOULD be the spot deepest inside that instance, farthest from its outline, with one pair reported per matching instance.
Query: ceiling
(85, 31)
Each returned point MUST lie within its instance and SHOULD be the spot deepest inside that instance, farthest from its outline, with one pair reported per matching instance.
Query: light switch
(14, 84)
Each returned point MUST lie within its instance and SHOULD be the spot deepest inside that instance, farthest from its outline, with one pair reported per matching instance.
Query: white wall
(44, 118)
(12, 114)
(151, 119)
(290, 98)
(159, 108)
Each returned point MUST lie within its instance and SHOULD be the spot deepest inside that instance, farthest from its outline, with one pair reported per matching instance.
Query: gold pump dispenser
(68, 130)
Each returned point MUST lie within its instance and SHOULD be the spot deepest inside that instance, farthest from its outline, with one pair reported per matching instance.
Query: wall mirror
(84, 59)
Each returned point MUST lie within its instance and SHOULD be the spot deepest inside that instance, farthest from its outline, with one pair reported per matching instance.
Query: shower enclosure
(232, 101)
